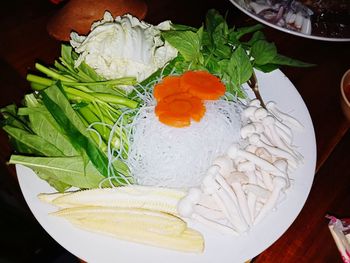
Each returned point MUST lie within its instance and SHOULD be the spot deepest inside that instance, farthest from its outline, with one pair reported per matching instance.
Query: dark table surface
(24, 40)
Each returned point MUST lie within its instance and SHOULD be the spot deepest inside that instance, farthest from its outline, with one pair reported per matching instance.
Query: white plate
(218, 247)
(289, 31)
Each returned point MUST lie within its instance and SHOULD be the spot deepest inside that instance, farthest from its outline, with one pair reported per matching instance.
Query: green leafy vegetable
(67, 170)
(226, 52)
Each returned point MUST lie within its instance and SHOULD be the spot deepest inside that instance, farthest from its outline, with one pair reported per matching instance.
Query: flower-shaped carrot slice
(202, 84)
(179, 109)
(168, 86)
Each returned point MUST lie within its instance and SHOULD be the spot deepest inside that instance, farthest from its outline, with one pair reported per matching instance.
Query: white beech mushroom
(234, 152)
(283, 117)
(236, 179)
(267, 179)
(249, 169)
(247, 130)
(269, 124)
(283, 166)
(225, 167)
(186, 209)
(255, 140)
(248, 113)
(279, 183)
(224, 201)
(255, 102)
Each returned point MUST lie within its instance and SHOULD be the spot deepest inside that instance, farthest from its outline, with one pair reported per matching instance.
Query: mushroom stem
(234, 151)
(249, 169)
(279, 183)
(255, 140)
(185, 209)
(269, 124)
(215, 225)
(285, 118)
(223, 200)
(235, 181)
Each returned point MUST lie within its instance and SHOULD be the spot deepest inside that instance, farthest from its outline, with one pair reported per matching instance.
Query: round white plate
(238, 4)
(221, 248)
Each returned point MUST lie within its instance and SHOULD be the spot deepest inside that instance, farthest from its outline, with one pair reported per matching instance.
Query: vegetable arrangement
(101, 98)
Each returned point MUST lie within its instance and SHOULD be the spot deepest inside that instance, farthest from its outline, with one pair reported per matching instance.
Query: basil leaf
(269, 67)
(236, 34)
(283, 60)
(188, 43)
(214, 23)
(258, 35)
(239, 67)
(263, 52)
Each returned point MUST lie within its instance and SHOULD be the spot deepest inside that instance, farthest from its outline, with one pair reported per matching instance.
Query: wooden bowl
(345, 94)
(78, 15)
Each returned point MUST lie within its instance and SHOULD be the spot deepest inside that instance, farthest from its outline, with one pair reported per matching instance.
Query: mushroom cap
(225, 165)
(260, 113)
(194, 194)
(233, 151)
(78, 15)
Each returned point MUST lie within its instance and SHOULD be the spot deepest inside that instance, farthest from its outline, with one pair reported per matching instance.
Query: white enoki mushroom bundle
(244, 185)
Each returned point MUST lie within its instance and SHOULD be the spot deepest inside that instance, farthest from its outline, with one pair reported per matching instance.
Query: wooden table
(23, 40)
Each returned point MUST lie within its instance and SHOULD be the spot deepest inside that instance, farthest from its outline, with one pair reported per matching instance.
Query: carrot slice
(178, 109)
(202, 84)
(168, 86)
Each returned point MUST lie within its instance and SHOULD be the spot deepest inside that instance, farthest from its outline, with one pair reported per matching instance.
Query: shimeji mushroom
(261, 193)
(260, 114)
(186, 209)
(264, 153)
(249, 169)
(279, 183)
(225, 167)
(248, 113)
(236, 179)
(234, 152)
(255, 103)
(247, 130)
(225, 202)
(267, 179)
(283, 117)
(283, 166)
(269, 124)
(254, 139)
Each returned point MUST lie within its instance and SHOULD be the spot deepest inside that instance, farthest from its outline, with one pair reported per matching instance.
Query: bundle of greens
(71, 129)
(64, 129)
(229, 53)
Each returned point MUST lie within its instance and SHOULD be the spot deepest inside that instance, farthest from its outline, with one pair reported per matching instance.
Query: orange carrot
(180, 97)
(168, 86)
(202, 84)
(177, 110)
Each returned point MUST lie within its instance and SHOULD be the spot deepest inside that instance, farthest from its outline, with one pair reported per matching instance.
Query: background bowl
(244, 6)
